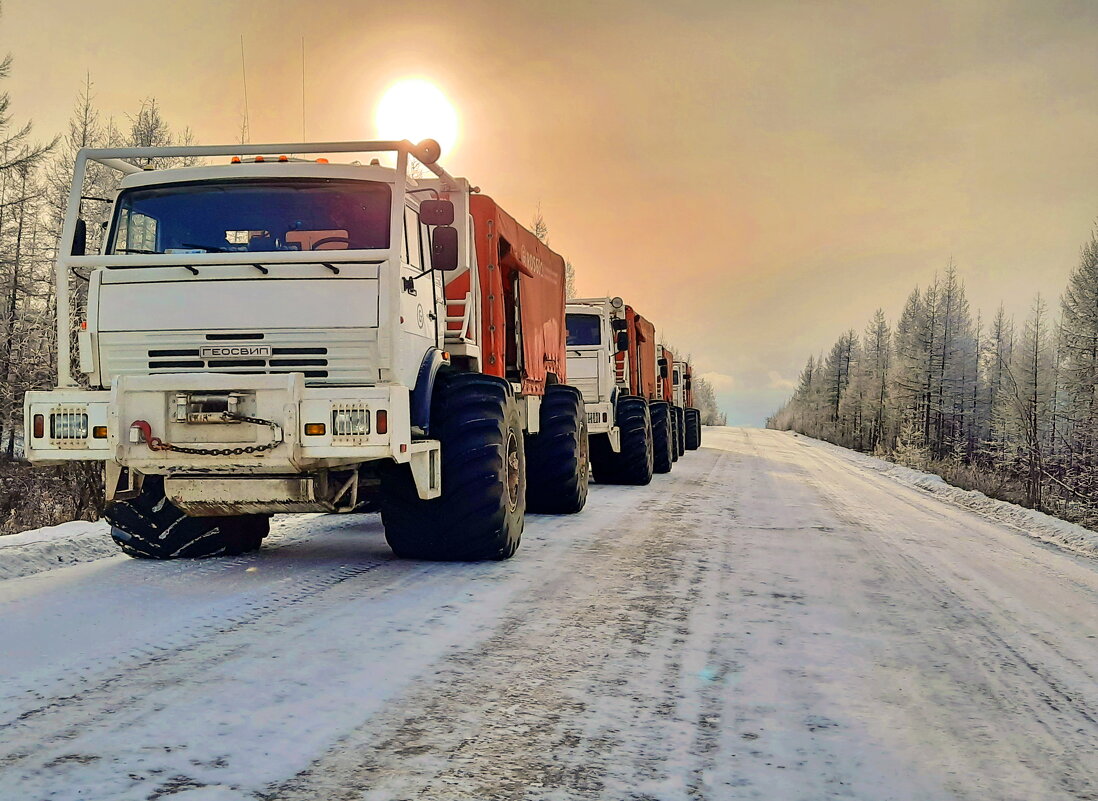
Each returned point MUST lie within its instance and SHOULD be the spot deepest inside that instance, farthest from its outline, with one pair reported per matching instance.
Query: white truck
(611, 360)
(279, 333)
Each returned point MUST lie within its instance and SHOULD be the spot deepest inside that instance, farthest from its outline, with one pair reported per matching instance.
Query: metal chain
(241, 451)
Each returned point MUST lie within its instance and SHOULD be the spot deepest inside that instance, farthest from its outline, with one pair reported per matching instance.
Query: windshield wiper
(207, 248)
(139, 250)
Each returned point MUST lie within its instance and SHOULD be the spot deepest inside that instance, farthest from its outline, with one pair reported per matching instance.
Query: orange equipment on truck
(519, 324)
(692, 427)
(666, 364)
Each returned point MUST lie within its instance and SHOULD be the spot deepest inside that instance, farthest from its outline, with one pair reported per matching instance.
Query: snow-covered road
(774, 620)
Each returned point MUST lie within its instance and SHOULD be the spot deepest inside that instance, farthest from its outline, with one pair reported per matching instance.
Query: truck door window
(584, 329)
(413, 250)
(253, 215)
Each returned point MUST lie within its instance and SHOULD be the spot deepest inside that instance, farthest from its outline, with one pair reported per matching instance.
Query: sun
(416, 109)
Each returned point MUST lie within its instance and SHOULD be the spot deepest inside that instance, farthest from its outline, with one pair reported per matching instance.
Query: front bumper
(600, 417)
(78, 425)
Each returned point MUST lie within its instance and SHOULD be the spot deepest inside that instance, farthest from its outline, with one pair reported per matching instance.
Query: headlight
(350, 422)
(68, 425)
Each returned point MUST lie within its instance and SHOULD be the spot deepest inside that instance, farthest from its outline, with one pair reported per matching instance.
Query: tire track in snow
(499, 722)
(986, 661)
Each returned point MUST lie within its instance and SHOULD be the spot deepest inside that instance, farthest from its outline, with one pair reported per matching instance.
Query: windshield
(260, 216)
(584, 329)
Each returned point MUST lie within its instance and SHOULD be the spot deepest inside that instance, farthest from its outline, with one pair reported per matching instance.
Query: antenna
(303, 137)
(245, 129)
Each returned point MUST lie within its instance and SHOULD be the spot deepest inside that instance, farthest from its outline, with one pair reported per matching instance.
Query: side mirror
(688, 383)
(623, 341)
(80, 239)
(436, 212)
(444, 248)
(662, 362)
(619, 324)
(663, 368)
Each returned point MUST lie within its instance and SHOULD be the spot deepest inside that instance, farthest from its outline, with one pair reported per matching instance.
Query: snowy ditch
(1036, 524)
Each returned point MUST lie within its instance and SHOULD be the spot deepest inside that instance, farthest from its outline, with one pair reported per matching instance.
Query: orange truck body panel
(512, 262)
(642, 352)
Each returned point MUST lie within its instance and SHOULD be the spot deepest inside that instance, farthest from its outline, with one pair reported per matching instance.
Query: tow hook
(141, 431)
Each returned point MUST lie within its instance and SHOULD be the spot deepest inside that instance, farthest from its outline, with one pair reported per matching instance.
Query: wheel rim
(512, 470)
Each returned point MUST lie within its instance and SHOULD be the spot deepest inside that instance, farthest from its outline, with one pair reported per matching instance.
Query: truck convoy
(667, 392)
(277, 334)
(683, 394)
(628, 391)
(285, 334)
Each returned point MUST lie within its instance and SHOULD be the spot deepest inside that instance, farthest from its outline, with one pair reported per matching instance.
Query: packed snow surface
(775, 619)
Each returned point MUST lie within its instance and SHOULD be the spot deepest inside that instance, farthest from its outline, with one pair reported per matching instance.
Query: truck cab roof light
(234, 160)
(283, 158)
(259, 159)
(322, 161)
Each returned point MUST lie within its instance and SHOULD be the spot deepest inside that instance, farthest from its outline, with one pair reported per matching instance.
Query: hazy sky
(756, 177)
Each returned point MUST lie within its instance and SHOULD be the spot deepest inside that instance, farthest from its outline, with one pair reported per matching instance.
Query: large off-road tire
(680, 440)
(633, 463)
(693, 429)
(558, 457)
(674, 419)
(663, 443)
(151, 527)
(480, 513)
(635, 459)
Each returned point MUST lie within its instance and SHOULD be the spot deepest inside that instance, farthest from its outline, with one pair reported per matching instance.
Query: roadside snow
(1036, 524)
(42, 549)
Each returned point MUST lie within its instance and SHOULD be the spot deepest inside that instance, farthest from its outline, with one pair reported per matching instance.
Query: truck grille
(281, 360)
(346, 356)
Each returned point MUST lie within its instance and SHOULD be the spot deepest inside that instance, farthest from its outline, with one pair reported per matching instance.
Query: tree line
(1011, 410)
(35, 178)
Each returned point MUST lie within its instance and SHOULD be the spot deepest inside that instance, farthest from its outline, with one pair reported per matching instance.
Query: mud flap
(426, 464)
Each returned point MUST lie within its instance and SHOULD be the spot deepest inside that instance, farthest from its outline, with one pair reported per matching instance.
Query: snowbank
(47, 548)
(1036, 524)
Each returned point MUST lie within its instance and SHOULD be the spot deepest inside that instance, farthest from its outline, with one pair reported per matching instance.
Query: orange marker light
(259, 159)
(99, 432)
(234, 160)
(39, 426)
(283, 158)
(382, 419)
(322, 161)
(315, 429)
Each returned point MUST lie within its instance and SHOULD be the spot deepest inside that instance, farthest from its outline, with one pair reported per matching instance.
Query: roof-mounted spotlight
(427, 151)
(617, 303)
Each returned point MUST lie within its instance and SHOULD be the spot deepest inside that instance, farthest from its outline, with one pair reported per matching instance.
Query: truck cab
(591, 346)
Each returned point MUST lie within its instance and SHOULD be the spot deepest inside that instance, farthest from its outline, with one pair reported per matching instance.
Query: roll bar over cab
(258, 330)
